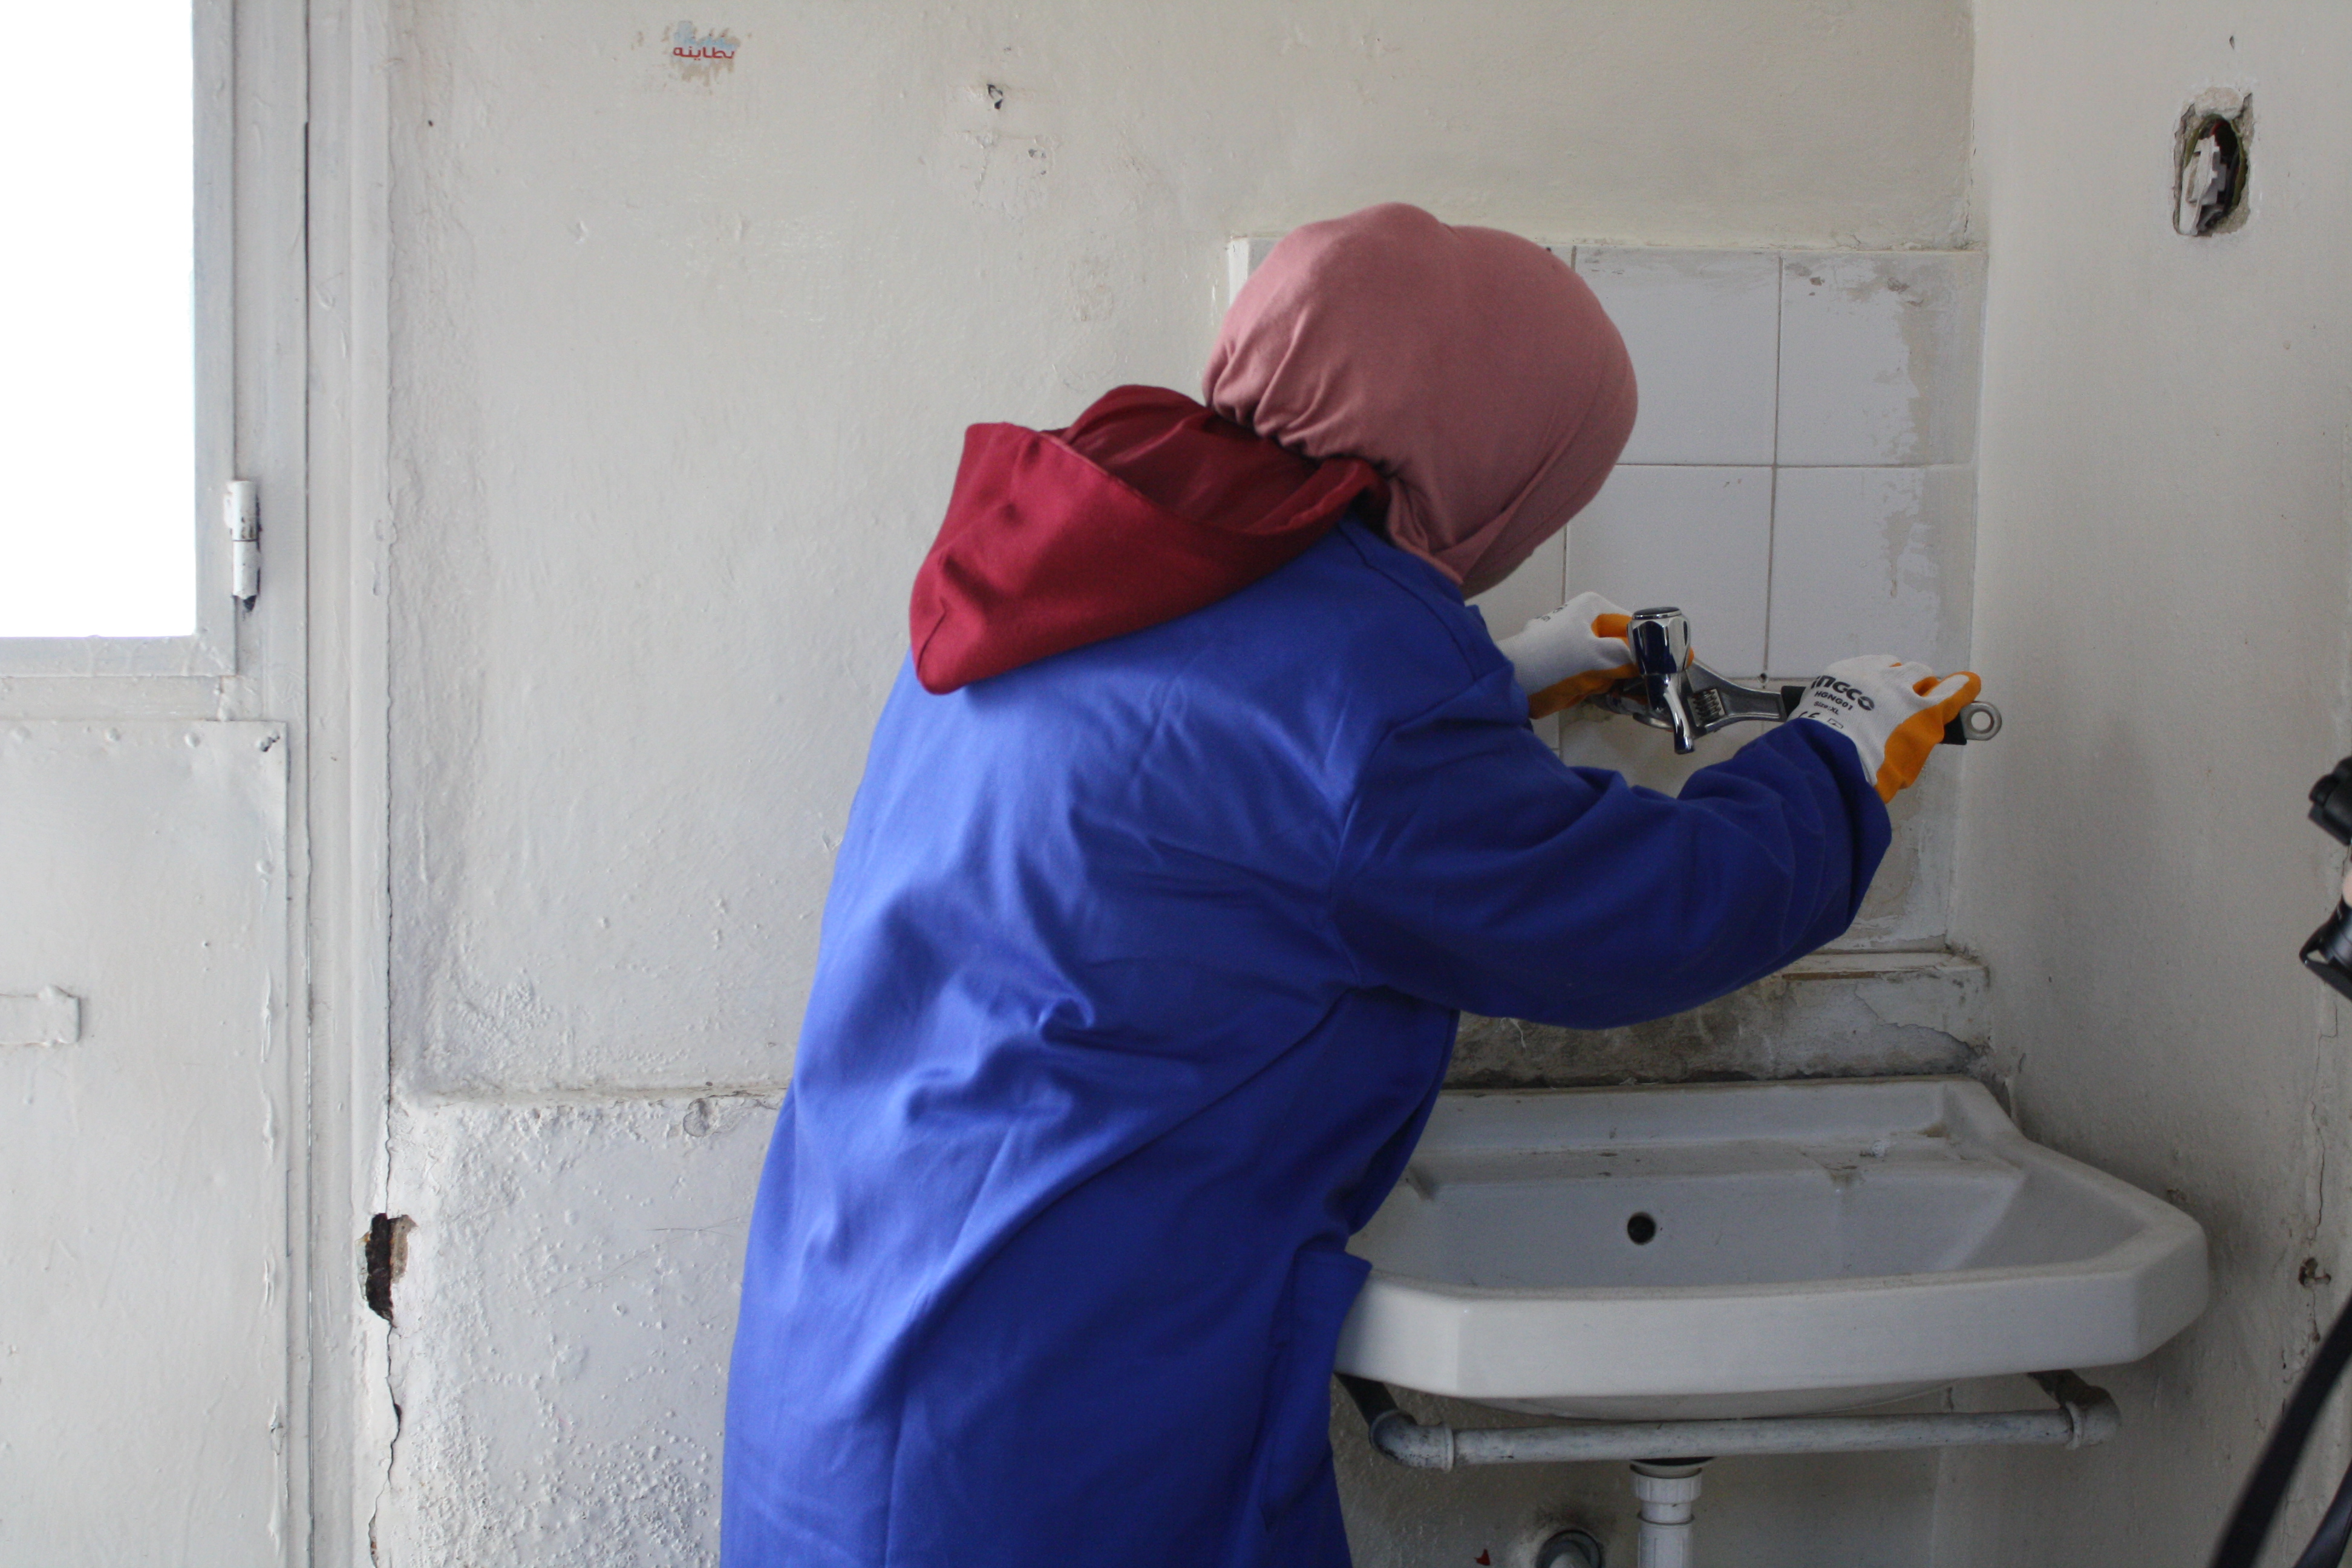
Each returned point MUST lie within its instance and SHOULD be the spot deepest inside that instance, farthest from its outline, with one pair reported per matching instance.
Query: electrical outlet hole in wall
(1641, 1229)
(2211, 167)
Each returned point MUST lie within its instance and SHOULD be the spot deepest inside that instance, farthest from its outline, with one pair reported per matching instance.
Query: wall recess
(2211, 157)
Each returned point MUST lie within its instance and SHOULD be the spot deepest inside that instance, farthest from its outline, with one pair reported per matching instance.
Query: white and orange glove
(1894, 713)
(1564, 656)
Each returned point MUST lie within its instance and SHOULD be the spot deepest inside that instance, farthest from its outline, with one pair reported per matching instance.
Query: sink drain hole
(1641, 1228)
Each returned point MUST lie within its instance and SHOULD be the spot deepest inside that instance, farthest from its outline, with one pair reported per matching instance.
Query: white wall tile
(1907, 903)
(1697, 537)
(1878, 357)
(1871, 561)
(1537, 588)
(1242, 256)
(1703, 327)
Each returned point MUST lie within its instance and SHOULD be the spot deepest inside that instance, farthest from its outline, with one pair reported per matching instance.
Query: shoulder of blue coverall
(1291, 682)
(1245, 725)
(1378, 634)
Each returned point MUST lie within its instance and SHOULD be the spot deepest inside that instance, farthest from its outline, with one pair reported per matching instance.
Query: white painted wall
(682, 355)
(2161, 611)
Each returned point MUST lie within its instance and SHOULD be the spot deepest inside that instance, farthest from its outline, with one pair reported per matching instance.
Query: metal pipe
(1571, 1548)
(2085, 1416)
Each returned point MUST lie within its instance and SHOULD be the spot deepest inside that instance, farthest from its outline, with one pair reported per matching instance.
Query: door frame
(346, 1364)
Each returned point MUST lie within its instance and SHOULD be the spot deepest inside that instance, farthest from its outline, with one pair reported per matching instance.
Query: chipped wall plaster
(561, 1340)
(1830, 1015)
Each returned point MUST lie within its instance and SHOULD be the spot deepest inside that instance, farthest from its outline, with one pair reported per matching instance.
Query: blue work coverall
(1138, 976)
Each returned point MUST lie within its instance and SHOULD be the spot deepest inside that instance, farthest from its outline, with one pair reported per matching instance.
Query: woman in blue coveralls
(1202, 806)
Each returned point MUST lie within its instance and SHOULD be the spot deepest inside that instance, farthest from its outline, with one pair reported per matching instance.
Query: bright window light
(97, 351)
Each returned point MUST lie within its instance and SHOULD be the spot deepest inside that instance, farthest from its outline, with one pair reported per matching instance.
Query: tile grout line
(1804, 468)
(1567, 543)
(1772, 504)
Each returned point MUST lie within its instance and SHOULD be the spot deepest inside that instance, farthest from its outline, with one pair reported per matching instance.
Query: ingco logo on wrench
(1846, 689)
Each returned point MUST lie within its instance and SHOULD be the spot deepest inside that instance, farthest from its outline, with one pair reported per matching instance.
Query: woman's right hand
(1893, 711)
(1564, 656)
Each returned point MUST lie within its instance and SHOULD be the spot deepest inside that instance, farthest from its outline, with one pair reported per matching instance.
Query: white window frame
(211, 649)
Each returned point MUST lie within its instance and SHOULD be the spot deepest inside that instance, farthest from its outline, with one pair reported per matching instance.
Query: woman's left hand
(1564, 656)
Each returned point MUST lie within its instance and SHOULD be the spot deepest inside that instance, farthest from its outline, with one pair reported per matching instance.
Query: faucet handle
(1660, 638)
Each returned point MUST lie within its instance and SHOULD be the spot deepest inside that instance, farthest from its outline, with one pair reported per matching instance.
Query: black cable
(2258, 1505)
(2334, 1532)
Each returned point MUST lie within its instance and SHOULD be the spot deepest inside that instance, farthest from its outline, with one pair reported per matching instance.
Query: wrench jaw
(1632, 697)
(1728, 702)
(1692, 702)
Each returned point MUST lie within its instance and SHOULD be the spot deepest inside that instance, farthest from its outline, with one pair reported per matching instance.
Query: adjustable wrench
(1674, 691)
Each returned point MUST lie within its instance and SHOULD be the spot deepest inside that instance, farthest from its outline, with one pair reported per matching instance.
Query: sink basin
(1753, 1250)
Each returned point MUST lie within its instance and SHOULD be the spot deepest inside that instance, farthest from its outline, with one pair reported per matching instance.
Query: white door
(154, 1408)
(145, 1141)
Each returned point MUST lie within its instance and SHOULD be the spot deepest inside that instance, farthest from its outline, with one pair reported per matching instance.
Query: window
(116, 265)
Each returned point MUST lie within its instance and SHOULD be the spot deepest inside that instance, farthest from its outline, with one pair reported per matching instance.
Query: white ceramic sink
(1754, 1249)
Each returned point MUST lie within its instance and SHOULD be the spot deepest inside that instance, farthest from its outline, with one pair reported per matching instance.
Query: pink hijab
(1472, 367)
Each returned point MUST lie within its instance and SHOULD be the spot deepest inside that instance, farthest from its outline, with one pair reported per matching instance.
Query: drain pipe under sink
(1667, 1493)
